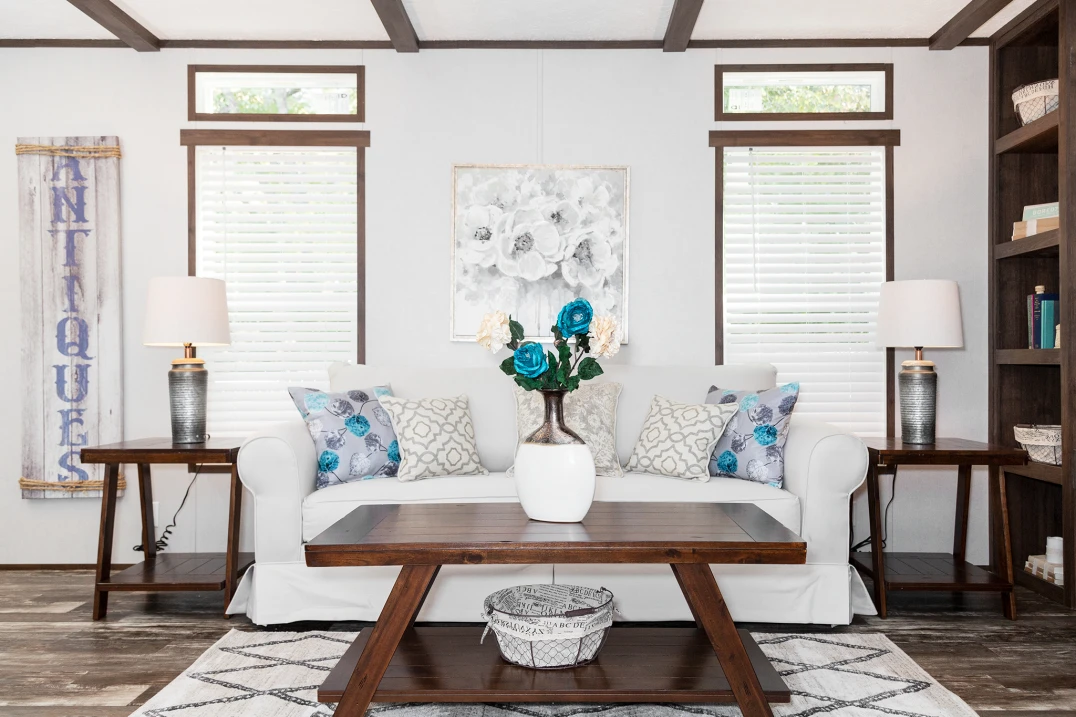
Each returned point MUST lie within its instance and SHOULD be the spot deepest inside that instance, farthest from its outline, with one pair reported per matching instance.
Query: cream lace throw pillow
(678, 438)
(436, 437)
(590, 411)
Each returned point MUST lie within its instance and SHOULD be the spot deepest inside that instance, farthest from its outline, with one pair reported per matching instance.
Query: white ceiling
(498, 19)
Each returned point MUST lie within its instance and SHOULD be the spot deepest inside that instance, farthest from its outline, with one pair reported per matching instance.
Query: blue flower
(316, 401)
(575, 318)
(358, 425)
(380, 391)
(727, 462)
(748, 402)
(394, 452)
(530, 360)
(793, 387)
(328, 461)
(765, 435)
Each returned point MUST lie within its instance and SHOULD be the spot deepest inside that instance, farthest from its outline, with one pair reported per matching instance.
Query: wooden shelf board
(636, 664)
(1038, 471)
(1037, 584)
(1038, 137)
(175, 571)
(931, 571)
(1028, 357)
(1041, 245)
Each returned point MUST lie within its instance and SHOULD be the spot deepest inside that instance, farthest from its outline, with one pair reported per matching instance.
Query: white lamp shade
(920, 312)
(186, 310)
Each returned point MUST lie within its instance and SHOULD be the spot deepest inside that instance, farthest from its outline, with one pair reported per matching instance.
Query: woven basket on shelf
(549, 626)
(1035, 100)
(1042, 443)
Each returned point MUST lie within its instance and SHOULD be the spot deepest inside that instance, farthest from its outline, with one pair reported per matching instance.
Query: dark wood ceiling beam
(119, 23)
(397, 24)
(681, 24)
(970, 18)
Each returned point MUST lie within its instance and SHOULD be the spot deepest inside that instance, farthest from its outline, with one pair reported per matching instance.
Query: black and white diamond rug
(276, 674)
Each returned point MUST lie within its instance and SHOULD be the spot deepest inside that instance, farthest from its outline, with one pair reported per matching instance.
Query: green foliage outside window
(284, 101)
(809, 98)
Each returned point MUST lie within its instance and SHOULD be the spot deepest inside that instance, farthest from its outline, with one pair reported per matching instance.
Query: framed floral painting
(527, 239)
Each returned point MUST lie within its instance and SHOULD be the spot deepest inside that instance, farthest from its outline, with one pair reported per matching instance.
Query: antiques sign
(69, 254)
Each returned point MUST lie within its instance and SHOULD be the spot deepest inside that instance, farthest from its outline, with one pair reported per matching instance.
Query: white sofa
(822, 468)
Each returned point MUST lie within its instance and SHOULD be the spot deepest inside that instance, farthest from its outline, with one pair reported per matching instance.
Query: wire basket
(1035, 100)
(549, 627)
(1042, 443)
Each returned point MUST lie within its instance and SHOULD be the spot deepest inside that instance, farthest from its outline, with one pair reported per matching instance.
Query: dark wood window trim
(360, 83)
(721, 116)
(802, 138)
(359, 139)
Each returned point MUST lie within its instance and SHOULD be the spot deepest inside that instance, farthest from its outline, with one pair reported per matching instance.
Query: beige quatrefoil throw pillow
(678, 438)
(436, 437)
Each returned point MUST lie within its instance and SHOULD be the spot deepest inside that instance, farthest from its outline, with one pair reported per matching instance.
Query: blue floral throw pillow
(352, 434)
(753, 444)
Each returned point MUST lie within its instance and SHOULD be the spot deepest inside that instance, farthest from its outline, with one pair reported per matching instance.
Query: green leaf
(557, 335)
(517, 329)
(583, 342)
(572, 383)
(509, 366)
(589, 368)
(528, 384)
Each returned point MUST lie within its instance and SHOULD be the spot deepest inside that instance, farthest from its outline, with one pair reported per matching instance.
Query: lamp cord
(162, 542)
(885, 521)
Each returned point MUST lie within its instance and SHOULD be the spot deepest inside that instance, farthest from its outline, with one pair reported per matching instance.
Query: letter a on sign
(69, 261)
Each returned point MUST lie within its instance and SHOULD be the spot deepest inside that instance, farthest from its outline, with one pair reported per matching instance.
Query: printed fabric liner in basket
(549, 626)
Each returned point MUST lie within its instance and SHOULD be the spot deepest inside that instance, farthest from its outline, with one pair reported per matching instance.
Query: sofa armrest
(279, 466)
(823, 466)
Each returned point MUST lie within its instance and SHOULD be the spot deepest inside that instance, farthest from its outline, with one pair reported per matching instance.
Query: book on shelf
(1041, 211)
(1042, 315)
(1022, 230)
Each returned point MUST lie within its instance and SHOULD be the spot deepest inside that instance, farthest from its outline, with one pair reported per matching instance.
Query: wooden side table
(168, 571)
(939, 571)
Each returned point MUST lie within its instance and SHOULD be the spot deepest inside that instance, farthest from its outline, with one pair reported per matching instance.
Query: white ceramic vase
(554, 469)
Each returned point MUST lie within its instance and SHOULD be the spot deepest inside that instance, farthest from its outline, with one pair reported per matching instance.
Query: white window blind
(279, 225)
(804, 256)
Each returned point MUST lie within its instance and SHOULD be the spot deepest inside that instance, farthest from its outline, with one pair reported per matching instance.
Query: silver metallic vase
(918, 398)
(188, 384)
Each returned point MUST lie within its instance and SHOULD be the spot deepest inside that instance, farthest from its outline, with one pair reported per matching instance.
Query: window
(804, 244)
(282, 226)
(807, 92)
(291, 93)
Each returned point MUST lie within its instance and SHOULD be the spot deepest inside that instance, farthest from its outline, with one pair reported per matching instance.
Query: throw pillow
(753, 447)
(352, 434)
(678, 438)
(590, 411)
(436, 437)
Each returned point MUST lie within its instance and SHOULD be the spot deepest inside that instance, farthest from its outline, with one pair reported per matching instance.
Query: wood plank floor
(56, 662)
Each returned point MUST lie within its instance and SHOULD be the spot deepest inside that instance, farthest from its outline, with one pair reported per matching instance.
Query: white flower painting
(529, 239)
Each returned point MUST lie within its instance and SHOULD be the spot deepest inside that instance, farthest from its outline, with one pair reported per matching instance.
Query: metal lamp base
(918, 399)
(188, 385)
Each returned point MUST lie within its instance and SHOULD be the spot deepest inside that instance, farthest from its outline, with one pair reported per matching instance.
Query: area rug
(276, 674)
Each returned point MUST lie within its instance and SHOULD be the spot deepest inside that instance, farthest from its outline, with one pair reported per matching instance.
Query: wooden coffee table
(395, 661)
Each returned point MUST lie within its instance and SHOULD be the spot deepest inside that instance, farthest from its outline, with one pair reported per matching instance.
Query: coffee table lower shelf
(637, 664)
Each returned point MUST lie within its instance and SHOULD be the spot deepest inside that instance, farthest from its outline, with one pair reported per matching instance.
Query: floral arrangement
(533, 367)
(532, 238)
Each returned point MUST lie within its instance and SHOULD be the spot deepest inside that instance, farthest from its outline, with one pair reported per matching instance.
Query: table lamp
(187, 311)
(921, 313)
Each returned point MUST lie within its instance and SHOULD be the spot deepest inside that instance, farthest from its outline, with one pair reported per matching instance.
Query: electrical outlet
(156, 514)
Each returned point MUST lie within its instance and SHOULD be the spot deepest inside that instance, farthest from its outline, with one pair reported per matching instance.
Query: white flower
(528, 245)
(476, 235)
(604, 336)
(563, 215)
(588, 260)
(494, 332)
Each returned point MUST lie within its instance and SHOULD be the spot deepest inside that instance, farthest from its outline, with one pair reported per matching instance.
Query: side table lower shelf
(931, 571)
(636, 664)
(175, 572)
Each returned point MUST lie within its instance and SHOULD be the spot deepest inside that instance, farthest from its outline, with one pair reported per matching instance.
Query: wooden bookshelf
(1034, 164)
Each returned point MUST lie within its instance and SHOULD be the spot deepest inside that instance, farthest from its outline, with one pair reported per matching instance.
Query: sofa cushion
(436, 437)
(324, 507)
(677, 438)
(753, 445)
(644, 487)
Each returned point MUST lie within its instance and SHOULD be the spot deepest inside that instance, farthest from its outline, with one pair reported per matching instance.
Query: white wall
(645, 109)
